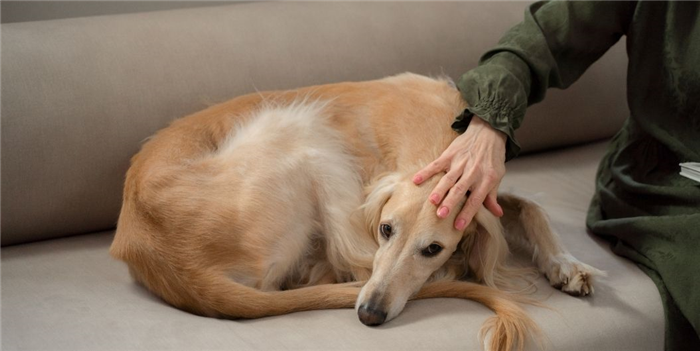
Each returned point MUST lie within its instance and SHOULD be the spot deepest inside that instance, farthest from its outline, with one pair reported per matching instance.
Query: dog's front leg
(526, 226)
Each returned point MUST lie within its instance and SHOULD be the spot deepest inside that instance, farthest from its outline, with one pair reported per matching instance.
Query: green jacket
(649, 212)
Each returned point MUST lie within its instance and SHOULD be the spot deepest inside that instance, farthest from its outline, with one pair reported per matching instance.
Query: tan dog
(279, 202)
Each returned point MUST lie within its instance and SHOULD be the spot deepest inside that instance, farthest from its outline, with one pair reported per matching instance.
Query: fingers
(430, 170)
(486, 194)
(491, 203)
(471, 207)
(449, 181)
(457, 192)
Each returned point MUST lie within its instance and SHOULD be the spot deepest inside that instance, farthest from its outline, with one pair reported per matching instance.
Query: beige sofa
(79, 95)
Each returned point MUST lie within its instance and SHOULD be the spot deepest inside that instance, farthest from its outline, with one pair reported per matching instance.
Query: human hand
(475, 163)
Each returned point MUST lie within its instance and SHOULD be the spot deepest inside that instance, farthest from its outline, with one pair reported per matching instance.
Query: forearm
(552, 47)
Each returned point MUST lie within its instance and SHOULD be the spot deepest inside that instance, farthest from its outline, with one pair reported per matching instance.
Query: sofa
(80, 94)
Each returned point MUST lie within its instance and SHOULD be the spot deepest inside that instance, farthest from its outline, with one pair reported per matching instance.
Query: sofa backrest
(41, 10)
(80, 95)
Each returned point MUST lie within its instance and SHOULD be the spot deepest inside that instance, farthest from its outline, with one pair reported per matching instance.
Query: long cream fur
(270, 203)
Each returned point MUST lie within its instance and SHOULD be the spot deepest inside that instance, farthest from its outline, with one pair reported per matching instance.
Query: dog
(285, 201)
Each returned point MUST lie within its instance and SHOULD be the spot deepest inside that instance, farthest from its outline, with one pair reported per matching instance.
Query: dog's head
(413, 244)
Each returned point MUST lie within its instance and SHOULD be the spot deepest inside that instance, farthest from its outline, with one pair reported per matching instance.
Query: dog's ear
(377, 194)
(487, 249)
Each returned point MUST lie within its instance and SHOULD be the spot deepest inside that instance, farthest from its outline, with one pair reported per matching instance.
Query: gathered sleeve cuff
(496, 92)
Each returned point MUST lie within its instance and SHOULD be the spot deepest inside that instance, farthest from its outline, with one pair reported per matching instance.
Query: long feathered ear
(378, 193)
(488, 250)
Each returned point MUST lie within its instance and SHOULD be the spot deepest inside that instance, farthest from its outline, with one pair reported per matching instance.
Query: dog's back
(243, 205)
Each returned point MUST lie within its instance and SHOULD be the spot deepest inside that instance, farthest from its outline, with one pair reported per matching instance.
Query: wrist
(497, 134)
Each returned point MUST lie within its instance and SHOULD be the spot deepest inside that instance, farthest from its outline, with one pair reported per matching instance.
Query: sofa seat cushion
(68, 294)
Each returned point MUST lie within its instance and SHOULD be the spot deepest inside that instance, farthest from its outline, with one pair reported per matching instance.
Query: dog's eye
(386, 230)
(431, 250)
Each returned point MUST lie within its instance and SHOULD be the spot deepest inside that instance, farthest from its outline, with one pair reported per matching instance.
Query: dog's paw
(570, 275)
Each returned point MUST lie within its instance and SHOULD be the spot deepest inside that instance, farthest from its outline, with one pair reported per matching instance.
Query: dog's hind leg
(527, 227)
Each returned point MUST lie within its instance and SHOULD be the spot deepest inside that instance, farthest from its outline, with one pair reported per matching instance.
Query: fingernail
(435, 199)
(461, 224)
(417, 179)
(443, 211)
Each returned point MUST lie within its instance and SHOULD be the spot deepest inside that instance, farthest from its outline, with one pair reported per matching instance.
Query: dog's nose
(371, 316)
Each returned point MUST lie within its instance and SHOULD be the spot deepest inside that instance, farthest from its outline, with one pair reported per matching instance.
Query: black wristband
(462, 121)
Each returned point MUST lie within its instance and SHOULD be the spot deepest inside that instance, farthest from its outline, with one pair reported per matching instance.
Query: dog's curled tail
(229, 299)
(508, 330)
(214, 294)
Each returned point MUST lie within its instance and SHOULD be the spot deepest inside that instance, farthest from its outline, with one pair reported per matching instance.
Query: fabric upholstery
(79, 95)
(32, 10)
(68, 294)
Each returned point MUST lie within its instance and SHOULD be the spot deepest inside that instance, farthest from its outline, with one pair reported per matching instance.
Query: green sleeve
(552, 47)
